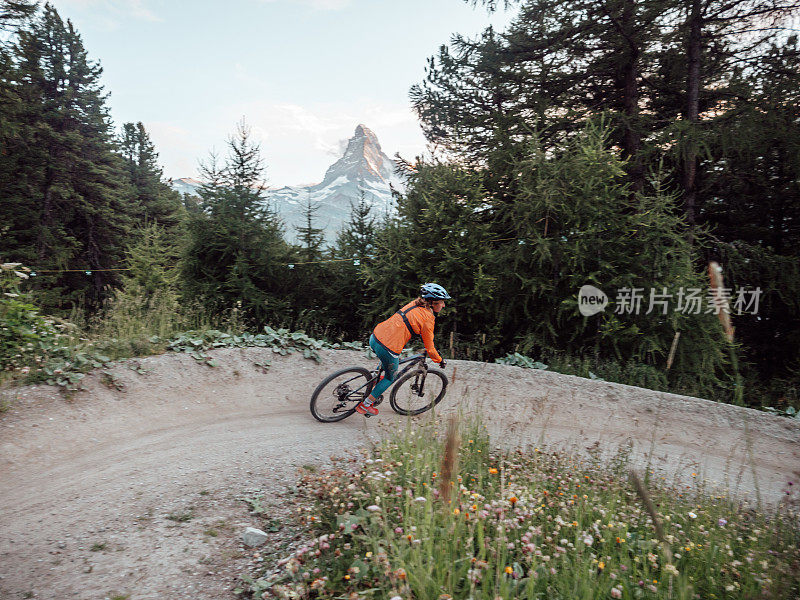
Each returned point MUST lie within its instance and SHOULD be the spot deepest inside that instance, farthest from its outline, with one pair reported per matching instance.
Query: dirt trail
(96, 493)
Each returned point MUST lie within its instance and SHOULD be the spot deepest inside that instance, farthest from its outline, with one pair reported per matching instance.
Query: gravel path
(136, 492)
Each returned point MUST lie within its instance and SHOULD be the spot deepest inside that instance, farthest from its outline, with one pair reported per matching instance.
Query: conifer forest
(620, 144)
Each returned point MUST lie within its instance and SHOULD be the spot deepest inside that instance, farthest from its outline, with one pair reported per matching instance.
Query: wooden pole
(451, 345)
(672, 349)
(715, 275)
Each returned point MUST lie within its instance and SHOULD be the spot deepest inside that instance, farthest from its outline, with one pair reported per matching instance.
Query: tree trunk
(693, 51)
(632, 140)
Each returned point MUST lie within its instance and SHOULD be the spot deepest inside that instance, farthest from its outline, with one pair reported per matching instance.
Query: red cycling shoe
(364, 410)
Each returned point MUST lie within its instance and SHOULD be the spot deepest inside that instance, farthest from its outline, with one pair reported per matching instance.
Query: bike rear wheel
(418, 391)
(338, 395)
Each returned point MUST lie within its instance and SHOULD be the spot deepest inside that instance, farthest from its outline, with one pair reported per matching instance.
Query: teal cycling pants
(390, 365)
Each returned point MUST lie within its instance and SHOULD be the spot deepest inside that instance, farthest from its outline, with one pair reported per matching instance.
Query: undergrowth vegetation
(39, 349)
(35, 348)
(422, 517)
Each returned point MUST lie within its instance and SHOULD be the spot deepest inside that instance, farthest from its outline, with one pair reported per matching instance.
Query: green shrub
(25, 335)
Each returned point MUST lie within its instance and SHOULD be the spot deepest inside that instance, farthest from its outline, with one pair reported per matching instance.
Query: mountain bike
(417, 388)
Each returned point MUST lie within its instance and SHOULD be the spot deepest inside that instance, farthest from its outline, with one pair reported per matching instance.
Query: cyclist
(390, 337)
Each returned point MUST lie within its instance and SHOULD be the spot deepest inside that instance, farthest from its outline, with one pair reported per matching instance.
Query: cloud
(342, 146)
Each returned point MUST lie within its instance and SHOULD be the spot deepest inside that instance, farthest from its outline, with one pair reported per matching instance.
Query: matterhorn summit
(363, 169)
(363, 160)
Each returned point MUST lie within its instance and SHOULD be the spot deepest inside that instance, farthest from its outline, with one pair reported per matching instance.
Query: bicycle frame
(414, 360)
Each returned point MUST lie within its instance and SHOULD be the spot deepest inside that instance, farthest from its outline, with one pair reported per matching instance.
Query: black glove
(442, 364)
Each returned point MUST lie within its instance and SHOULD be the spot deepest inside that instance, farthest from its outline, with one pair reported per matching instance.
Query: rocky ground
(137, 493)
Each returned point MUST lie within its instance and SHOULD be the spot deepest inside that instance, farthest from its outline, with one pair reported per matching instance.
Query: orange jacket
(394, 334)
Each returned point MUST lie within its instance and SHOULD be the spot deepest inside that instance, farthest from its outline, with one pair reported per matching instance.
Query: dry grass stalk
(715, 275)
(449, 466)
(648, 504)
(672, 349)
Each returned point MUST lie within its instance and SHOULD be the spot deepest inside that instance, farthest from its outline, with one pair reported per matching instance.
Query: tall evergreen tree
(348, 295)
(357, 238)
(751, 201)
(309, 236)
(66, 201)
(13, 11)
(698, 60)
(155, 201)
(235, 253)
(557, 65)
(441, 235)
(656, 67)
(147, 299)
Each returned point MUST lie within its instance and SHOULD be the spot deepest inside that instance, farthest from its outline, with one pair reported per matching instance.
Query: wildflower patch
(523, 525)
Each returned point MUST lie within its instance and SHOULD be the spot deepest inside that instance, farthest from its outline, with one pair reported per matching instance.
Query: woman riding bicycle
(390, 337)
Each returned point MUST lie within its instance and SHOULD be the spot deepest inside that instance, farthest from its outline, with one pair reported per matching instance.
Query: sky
(302, 73)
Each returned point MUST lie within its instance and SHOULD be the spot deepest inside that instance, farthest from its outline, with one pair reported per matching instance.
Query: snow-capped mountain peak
(362, 160)
(362, 169)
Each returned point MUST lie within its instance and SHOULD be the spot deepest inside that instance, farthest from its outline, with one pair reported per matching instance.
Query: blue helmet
(433, 291)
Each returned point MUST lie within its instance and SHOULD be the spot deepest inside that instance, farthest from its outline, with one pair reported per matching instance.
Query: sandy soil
(136, 493)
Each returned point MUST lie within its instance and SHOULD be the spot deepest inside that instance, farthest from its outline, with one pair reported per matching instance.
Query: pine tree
(698, 59)
(357, 238)
(146, 303)
(440, 234)
(656, 68)
(556, 66)
(13, 11)
(751, 200)
(66, 201)
(235, 253)
(310, 237)
(347, 294)
(155, 201)
(575, 222)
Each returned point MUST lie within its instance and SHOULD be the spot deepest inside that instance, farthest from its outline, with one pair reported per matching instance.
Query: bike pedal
(367, 415)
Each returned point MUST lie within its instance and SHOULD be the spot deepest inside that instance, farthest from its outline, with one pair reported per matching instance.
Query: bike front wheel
(418, 391)
(338, 395)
